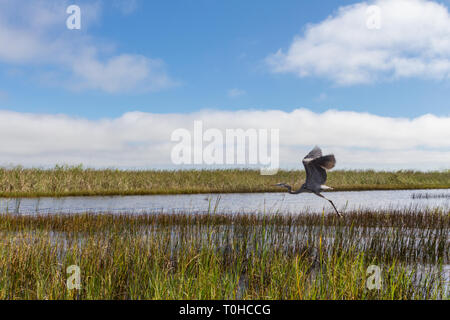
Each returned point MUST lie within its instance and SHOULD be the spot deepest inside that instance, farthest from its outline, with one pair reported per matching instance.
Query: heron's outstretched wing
(326, 162)
(314, 153)
(315, 166)
(314, 174)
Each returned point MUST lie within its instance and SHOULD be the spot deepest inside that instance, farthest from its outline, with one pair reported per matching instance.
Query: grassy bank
(214, 256)
(62, 181)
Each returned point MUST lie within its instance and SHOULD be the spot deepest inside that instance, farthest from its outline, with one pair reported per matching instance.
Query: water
(249, 202)
(228, 203)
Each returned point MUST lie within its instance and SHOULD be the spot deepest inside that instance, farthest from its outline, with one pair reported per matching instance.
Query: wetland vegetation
(76, 181)
(226, 256)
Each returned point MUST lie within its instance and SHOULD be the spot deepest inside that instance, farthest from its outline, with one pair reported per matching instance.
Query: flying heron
(316, 167)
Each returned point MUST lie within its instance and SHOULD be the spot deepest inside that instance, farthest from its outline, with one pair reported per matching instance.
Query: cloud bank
(142, 140)
(33, 34)
(413, 40)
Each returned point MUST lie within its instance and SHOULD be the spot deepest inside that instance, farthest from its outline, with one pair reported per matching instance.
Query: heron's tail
(324, 187)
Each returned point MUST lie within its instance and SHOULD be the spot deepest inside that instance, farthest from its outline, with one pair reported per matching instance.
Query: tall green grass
(217, 256)
(76, 181)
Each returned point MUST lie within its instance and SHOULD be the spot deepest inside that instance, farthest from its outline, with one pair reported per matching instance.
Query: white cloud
(142, 140)
(76, 60)
(234, 93)
(122, 73)
(413, 41)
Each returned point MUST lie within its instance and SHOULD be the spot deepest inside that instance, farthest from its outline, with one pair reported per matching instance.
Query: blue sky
(378, 97)
(210, 48)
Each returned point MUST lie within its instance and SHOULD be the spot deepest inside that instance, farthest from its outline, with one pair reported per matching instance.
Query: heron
(316, 166)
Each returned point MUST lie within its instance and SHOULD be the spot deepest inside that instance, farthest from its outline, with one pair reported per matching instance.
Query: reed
(426, 195)
(226, 256)
(76, 181)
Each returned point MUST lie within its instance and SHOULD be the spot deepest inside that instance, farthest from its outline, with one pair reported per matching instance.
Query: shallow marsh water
(229, 203)
(416, 247)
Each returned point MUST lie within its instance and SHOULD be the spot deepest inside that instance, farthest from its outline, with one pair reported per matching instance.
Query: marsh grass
(76, 181)
(224, 256)
(426, 195)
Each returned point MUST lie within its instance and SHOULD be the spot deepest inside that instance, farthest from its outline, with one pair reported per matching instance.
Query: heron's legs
(337, 212)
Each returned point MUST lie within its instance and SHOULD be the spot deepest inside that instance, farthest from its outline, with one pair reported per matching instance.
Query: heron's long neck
(300, 190)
